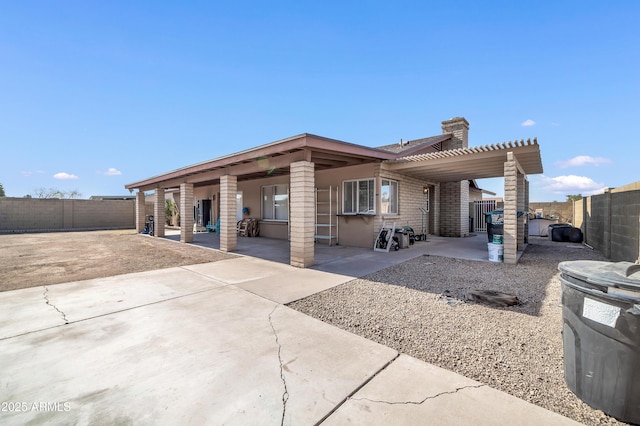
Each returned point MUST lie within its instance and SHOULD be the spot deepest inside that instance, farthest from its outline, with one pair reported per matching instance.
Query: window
(358, 196)
(389, 197)
(275, 202)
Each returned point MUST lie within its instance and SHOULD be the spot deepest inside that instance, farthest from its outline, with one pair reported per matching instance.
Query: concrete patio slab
(87, 299)
(410, 392)
(234, 271)
(213, 344)
(353, 261)
(221, 356)
(38, 308)
(293, 285)
(26, 310)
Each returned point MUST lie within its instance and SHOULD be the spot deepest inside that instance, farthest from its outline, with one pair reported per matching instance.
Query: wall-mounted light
(425, 190)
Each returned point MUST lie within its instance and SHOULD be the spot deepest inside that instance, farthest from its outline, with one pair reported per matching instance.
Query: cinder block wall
(610, 222)
(454, 209)
(563, 210)
(596, 219)
(35, 214)
(625, 229)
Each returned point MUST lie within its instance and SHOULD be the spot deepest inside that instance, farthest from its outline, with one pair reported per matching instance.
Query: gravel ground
(417, 309)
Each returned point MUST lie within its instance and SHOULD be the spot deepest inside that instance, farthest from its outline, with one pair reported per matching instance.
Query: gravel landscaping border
(419, 309)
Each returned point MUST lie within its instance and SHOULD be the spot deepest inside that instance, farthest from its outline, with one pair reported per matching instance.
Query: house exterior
(310, 189)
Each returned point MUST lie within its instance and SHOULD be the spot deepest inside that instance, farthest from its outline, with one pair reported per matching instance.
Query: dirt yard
(30, 260)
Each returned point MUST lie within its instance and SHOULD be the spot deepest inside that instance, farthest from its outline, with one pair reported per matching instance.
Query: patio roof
(268, 160)
(469, 163)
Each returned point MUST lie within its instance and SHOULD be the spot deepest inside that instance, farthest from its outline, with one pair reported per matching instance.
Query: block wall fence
(610, 222)
(44, 215)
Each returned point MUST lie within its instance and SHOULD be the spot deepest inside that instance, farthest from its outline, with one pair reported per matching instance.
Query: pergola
(511, 160)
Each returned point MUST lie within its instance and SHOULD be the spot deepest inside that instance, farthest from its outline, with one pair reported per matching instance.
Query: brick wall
(454, 196)
(35, 214)
(410, 199)
(454, 209)
(459, 129)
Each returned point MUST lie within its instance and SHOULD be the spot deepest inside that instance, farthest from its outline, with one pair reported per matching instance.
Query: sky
(95, 95)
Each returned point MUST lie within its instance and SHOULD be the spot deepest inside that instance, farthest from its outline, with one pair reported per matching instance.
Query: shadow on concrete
(352, 261)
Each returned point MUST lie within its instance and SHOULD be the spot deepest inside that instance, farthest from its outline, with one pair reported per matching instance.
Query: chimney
(459, 128)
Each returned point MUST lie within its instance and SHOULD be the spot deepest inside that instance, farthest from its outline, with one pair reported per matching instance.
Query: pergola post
(228, 195)
(158, 213)
(302, 220)
(186, 212)
(140, 211)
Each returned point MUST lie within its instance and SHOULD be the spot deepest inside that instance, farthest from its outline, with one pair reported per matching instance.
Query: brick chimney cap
(455, 120)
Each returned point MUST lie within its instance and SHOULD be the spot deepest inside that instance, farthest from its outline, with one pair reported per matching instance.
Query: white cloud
(65, 176)
(571, 184)
(583, 160)
(111, 171)
(528, 123)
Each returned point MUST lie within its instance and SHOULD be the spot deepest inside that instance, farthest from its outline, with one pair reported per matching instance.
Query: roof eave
(294, 143)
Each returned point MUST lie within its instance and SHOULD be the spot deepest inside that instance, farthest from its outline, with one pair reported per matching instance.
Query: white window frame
(272, 189)
(391, 196)
(355, 199)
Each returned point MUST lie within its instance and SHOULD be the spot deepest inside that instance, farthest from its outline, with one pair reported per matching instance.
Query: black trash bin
(601, 335)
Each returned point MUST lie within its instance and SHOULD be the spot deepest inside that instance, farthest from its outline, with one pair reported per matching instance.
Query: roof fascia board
(257, 166)
(304, 141)
(294, 142)
(340, 147)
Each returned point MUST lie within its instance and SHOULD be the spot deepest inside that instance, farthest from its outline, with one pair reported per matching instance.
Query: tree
(2, 194)
(73, 194)
(172, 215)
(576, 197)
(56, 193)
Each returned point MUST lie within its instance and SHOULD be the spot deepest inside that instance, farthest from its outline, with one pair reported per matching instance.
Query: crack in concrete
(46, 300)
(422, 401)
(285, 394)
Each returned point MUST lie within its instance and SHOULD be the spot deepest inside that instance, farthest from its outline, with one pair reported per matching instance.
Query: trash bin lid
(624, 275)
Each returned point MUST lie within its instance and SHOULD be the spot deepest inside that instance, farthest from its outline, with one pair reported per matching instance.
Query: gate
(479, 209)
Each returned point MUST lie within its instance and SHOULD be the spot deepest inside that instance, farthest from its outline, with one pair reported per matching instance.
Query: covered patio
(512, 160)
(302, 158)
(352, 261)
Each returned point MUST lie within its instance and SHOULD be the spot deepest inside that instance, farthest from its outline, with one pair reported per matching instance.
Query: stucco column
(520, 205)
(158, 213)
(140, 211)
(302, 220)
(186, 212)
(510, 210)
(228, 194)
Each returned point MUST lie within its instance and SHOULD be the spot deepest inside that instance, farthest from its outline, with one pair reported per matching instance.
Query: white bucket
(498, 239)
(496, 252)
